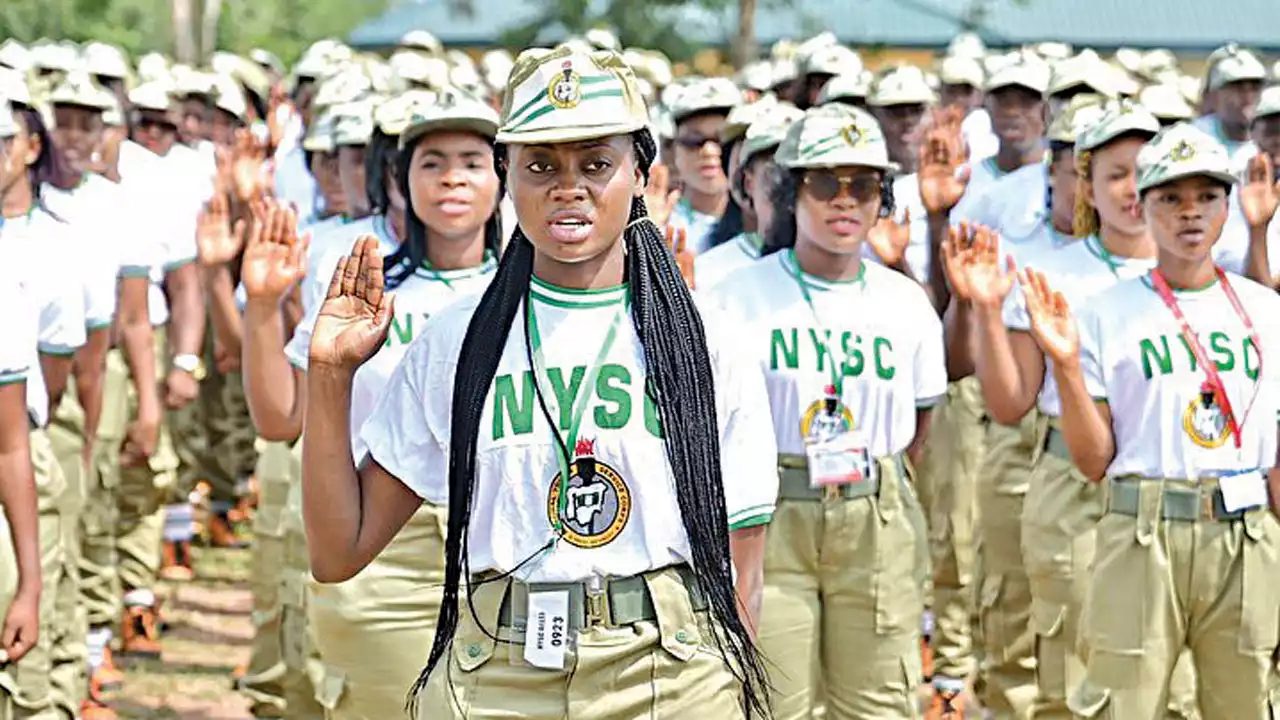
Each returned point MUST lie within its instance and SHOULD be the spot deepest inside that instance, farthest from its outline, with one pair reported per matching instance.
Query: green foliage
(285, 27)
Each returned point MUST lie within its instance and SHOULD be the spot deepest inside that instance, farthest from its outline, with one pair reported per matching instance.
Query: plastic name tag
(839, 460)
(1243, 490)
(547, 633)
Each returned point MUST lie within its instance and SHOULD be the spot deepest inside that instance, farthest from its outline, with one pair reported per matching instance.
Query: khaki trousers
(277, 471)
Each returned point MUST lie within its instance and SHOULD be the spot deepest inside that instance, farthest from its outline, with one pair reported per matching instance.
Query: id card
(1243, 490)
(839, 460)
(546, 636)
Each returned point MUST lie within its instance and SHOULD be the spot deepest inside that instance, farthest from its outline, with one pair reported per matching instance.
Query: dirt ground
(208, 635)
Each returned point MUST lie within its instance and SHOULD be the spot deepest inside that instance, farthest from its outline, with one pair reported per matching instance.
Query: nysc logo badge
(593, 507)
(1204, 421)
(565, 90)
(824, 420)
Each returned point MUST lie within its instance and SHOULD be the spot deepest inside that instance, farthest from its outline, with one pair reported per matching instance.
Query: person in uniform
(1171, 406)
(565, 418)
(700, 112)
(851, 391)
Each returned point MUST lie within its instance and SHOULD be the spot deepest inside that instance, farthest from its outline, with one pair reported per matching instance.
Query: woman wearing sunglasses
(700, 112)
(853, 359)
(569, 588)
(1169, 398)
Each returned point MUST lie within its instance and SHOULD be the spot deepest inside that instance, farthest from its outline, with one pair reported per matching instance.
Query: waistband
(1184, 503)
(616, 602)
(793, 479)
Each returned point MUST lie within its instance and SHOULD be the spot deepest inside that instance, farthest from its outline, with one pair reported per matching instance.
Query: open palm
(942, 175)
(275, 258)
(677, 240)
(889, 239)
(1260, 195)
(1052, 324)
(987, 277)
(659, 198)
(217, 241)
(356, 314)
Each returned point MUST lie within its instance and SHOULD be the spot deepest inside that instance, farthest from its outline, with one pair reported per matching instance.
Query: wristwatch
(190, 364)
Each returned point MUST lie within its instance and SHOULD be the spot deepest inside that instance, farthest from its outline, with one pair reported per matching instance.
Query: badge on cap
(1182, 152)
(853, 135)
(565, 90)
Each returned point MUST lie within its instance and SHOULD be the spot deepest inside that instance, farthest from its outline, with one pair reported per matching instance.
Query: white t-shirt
(44, 247)
(983, 175)
(698, 226)
(1015, 203)
(93, 209)
(978, 135)
(892, 362)
(714, 265)
(19, 327)
(329, 243)
(1080, 271)
(623, 520)
(1232, 249)
(1133, 356)
(1240, 152)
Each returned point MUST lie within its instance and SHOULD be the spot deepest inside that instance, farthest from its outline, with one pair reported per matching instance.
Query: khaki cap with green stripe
(561, 95)
(1122, 117)
(1179, 151)
(79, 89)
(453, 109)
(769, 130)
(834, 136)
(1081, 111)
(1268, 103)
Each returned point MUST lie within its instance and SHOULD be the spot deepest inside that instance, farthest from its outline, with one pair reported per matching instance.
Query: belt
(620, 602)
(1055, 443)
(1186, 504)
(793, 480)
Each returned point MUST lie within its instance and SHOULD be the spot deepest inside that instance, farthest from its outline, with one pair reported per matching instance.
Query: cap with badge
(79, 89)
(453, 109)
(1121, 117)
(564, 96)
(1022, 70)
(1180, 151)
(1080, 112)
(903, 85)
(705, 95)
(846, 88)
(834, 136)
(1166, 102)
(1231, 63)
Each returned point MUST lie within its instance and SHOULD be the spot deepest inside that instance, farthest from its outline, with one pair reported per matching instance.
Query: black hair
(412, 252)
(256, 101)
(50, 165)
(681, 385)
(1056, 149)
(784, 192)
(731, 223)
(379, 159)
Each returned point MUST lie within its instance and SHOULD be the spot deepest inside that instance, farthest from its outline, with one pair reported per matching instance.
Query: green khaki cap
(8, 124)
(1119, 118)
(79, 89)
(1167, 102)
(353, 122)
(1231, 63)
(846, 87)
(958, 70)
(1179, 151)
(831, 60)
(769, 130)
(904, 85)
(834, 136)
(1082, 111)
(452, 110)
(756, 76)
(1022, 70)
(1087, 70)
(320, 133)
(561, 96)
(706, 95)
(741, 117)
(347, 85)
(152, 96)
(394, 115)
(1269, 102)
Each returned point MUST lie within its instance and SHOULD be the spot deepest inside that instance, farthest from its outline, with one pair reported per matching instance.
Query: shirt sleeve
(298, 349)
(139, 244)
(1089, 328)
(1014, 311)
(15, 351)
(62, 316)
(929, 367)
(399, 435)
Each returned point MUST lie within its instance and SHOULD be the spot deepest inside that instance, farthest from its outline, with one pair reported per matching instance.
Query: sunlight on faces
(1017, 116)
(351, 176)
(453, 187)
(573, 200)
(1113, 185)
(698, 152)
(1186, 216)
(837, 223)
(78, 132)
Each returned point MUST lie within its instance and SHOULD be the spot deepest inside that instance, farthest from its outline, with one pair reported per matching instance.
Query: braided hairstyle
(412, 253)
(784, 191)
(680, 383)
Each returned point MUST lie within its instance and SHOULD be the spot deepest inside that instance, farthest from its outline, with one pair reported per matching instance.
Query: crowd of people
(556, 385)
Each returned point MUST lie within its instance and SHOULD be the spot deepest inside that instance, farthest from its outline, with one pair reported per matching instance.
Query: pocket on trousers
(1115, 614)
(331, 688)
(1260, 593)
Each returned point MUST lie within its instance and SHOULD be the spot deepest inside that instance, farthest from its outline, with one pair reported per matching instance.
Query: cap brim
(1017, 83)
(890, 167)
(678, 117)
(480, 127)
(894, 100)
(1219, 175)
(553, 136)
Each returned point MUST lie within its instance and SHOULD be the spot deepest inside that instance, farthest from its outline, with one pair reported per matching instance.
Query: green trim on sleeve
(751, 516)
(928, 403)
(176, 264)
(134, 271)
(57, 350)
(93, 325)
(752, 521)
(12, 378)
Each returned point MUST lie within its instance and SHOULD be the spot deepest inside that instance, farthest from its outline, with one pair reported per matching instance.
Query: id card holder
(839, 460)
(1243, 490)
(546, 639)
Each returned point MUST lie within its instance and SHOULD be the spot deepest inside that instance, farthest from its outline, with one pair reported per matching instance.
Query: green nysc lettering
(612, 404)
(1225, 353)
(852, 353)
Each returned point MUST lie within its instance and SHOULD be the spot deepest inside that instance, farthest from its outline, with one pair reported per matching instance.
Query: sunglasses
(825, 185)
(695, 142)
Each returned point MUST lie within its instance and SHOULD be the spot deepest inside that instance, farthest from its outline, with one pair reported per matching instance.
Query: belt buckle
(596, 608)
(832, 493)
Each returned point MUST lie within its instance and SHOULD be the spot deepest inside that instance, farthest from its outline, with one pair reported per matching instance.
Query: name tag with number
(1243, 490)
(546, 636)
(840, 460)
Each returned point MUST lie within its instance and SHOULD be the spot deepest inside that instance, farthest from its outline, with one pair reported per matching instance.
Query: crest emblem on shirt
(1204, 421)
(597, 502)
(565, 90)
(821, 422)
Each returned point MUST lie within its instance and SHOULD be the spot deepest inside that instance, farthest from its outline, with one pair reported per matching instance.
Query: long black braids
(784, 193)
(681, 384)
(412, 253)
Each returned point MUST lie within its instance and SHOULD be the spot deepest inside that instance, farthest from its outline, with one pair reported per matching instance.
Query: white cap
(960, 70)
(422, 40)
(1024, 70)
(1166, 102)
(1235, 64)
(151, 96)
(8, 123)
(106, 60)
(1087, 70)
(603, 39)
(967, 45)
(228, 97)
(845, 87)
(1269, 102)
(903, 85)
(13, 87)
(14, 55)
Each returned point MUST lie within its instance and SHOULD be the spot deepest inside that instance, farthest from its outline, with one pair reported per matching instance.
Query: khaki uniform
(663, 668)
(219, 439)
(303, 670)
(8, 588)
(842, 601)
(71, 623)
(278, 470)
(948, 493)
(374, 631)
(1166, 568)
(29, 679)
(100, 591)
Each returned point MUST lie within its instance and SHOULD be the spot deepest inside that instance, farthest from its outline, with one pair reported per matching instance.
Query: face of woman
(351, 176)
(195, 119)
(1113, 186)
(836, 208)
(1186, 216)
(573, 200)
(222, 128)
(757, 182)
(453, 187)
(698, 152)
(78, 133)
(156, 132)
(324, 168)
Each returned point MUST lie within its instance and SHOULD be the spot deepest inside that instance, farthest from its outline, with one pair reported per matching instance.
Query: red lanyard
(1214, 381)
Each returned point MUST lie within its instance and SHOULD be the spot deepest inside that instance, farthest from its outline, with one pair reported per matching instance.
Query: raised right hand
(677, 239)
(942, 174)
(972, 257)
(217, 241)
(1052, 324)
(659, 198)
(275, 257)
(356, 315)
